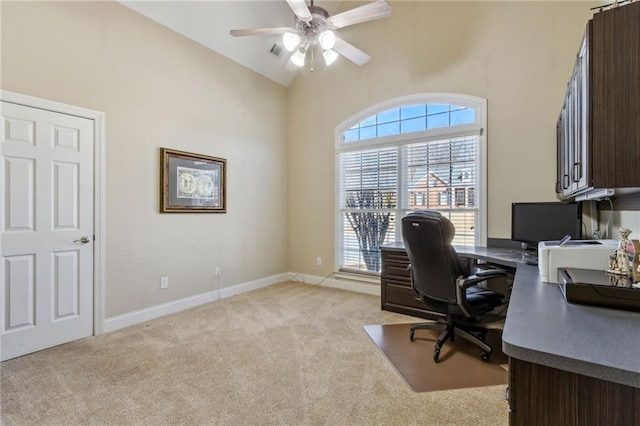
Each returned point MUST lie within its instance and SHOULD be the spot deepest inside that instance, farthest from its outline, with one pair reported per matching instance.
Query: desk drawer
(398, 293)
(395, 257)
(397, 271)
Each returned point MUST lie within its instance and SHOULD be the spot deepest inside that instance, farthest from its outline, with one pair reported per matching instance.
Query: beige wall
(159, 89)
(517, 55)
(626, 219)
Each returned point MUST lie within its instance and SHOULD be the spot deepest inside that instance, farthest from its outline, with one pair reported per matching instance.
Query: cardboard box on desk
(585, 254)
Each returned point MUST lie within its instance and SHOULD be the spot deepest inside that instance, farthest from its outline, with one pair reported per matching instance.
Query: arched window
(424, 151)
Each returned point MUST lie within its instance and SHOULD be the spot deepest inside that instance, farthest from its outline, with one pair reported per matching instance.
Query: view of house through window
(412, 156)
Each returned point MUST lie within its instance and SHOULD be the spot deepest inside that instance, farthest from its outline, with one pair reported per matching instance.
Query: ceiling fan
(314, 26)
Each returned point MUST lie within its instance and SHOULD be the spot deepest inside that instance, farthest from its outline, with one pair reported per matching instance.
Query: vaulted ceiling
(209, 23)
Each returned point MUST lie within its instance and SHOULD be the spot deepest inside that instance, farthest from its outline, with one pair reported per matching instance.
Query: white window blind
(444, 173)
(368, 201)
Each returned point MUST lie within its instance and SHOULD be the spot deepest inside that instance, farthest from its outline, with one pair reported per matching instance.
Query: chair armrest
(465, 282)
(480, 276)
(490, 273)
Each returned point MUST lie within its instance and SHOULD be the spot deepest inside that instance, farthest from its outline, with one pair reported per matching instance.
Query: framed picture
(192, 183)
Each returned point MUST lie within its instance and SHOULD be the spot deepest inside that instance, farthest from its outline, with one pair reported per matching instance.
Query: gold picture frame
(192, 183)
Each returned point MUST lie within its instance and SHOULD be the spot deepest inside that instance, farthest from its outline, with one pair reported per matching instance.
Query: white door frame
(98, 189)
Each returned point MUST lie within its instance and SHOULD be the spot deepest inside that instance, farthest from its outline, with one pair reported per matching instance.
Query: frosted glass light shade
(298, 58)
(329, 56)
(327, 39)
(290, 41)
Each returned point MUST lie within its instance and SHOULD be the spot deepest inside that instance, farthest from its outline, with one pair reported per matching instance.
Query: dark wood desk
(568, 364)
(398, 296)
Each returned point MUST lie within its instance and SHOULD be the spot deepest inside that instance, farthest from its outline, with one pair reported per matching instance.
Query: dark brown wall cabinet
(598, 130)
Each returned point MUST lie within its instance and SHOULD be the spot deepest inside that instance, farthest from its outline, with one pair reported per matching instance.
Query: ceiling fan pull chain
(311, 52)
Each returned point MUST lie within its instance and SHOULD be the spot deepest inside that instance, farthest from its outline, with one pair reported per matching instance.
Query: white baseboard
(153, 312)
(366, 287)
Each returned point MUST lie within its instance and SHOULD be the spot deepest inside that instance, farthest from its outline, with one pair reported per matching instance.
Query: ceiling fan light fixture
(298, 58)
(330, 56)
(290, 41)
(327, 39)
(314, 29)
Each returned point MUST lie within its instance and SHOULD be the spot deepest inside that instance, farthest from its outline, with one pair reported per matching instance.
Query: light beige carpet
(460, 365)
(289, 354)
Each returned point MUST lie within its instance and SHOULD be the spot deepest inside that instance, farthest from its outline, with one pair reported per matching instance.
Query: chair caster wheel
(411, 335)
(436, 354)
(485, 356)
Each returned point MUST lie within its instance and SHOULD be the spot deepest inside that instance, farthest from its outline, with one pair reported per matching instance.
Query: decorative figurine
(617, 280)
(635, 260)
(613, 263)
(619, 260)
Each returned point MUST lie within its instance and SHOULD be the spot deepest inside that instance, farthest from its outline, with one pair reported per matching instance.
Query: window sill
(353, 276)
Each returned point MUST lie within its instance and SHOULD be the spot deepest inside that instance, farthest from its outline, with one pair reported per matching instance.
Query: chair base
(449, 332)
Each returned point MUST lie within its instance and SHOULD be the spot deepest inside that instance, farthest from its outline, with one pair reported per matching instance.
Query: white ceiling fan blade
(259, 31)
(369, 12)
(351, 52)
(301, 10)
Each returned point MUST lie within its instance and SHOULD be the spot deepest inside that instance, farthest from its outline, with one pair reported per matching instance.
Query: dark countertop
(499, 256)
(543, 328)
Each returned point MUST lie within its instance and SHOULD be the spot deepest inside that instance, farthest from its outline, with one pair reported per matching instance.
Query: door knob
(83, 240)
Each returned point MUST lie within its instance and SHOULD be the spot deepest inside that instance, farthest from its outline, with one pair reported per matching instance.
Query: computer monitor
(550, 221)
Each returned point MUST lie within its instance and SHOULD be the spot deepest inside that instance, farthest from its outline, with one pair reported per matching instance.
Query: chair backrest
(435, 265)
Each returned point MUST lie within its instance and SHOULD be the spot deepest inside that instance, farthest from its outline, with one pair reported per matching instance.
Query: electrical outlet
(318, 261)
(217, 271)
(164, 282)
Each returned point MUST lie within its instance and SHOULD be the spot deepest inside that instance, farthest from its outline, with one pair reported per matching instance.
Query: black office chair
(444, 284)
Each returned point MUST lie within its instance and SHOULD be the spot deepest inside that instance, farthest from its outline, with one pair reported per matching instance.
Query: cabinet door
(559, 145)
(565, 158)
(580, 166)
(573, 131)
(541, 395)
(614, 57)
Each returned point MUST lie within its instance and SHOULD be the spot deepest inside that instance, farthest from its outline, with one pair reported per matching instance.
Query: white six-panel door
(46, 215)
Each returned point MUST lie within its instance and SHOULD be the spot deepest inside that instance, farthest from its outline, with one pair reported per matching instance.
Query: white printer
(585, 254)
